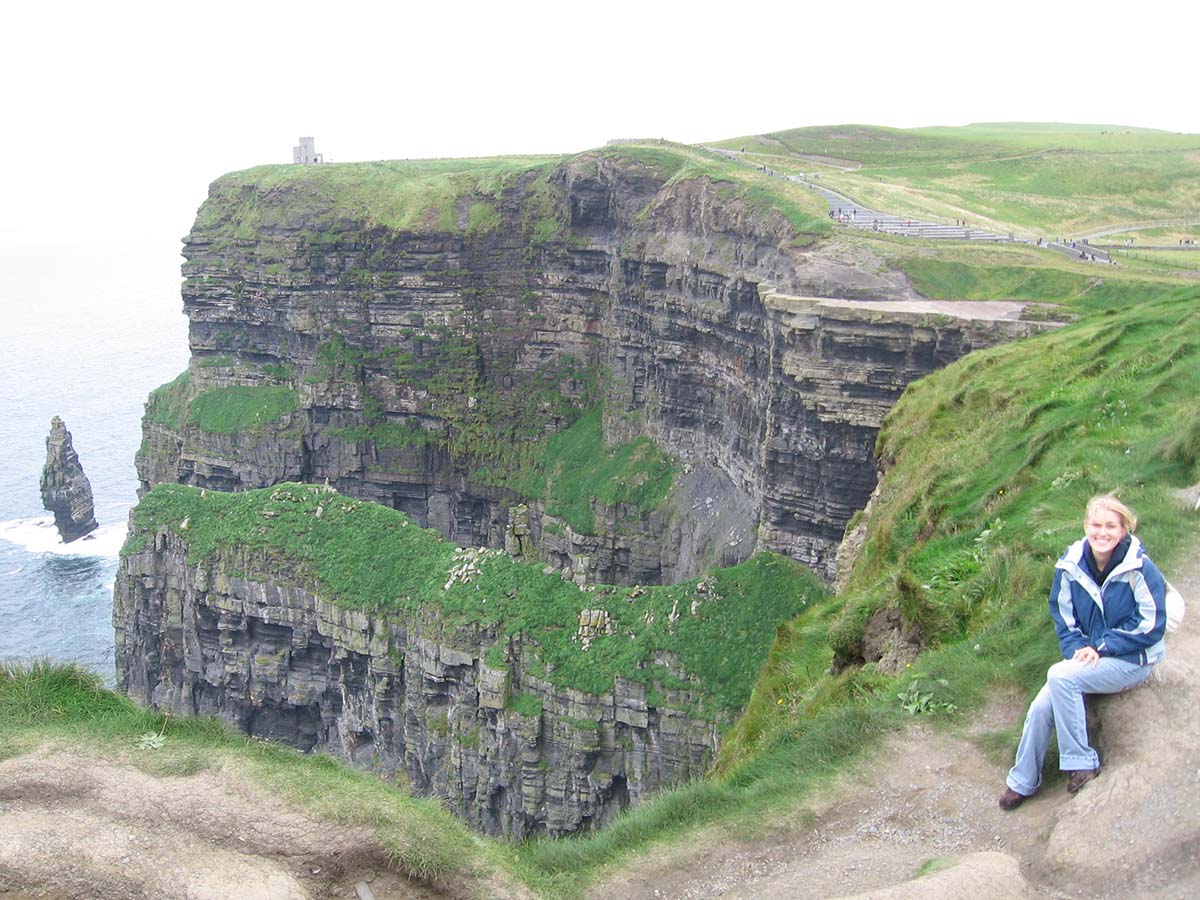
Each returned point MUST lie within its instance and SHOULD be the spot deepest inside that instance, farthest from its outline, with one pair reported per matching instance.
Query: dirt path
(77, 828)
(931, 795)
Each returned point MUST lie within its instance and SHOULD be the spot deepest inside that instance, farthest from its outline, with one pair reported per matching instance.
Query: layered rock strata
(412, 698)
(424, 368)
(399, 345)
(66, 491)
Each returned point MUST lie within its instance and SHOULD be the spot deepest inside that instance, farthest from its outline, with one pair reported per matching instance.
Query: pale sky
(117, 115)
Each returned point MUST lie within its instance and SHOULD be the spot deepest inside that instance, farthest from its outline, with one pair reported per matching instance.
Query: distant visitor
(66, 491)
(306, 152)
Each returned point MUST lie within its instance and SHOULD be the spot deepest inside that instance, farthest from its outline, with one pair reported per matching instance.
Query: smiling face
(1104, 529)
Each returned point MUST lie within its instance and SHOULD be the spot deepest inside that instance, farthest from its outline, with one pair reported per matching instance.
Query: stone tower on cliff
(66, 492)
(305, 152)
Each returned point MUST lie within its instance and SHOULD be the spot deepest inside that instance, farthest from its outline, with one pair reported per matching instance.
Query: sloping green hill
(1048, 179)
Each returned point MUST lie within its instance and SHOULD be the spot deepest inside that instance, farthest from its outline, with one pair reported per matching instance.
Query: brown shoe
(1010, 799)
(1081, 777)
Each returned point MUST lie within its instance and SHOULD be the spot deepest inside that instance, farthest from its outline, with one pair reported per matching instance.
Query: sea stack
(66, 491)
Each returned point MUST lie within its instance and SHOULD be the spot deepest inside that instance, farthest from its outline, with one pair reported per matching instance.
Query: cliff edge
(418, 334)
(528, 704)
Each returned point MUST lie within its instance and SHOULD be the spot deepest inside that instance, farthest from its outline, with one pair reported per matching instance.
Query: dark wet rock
(66, 491)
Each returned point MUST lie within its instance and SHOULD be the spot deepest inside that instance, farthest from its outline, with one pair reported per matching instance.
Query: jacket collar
(1072, 562)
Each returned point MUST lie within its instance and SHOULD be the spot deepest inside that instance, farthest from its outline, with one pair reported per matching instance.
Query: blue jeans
(1059, 706)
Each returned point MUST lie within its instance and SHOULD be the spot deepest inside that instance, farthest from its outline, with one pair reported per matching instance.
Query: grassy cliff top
(373, 558)
(1045, 178)
(449, 195)
(1050, 179)
(402, 195)
(953, 270)
(874, 145)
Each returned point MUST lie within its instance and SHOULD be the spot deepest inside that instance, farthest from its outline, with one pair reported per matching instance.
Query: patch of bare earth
(73, 828)
(931, 796)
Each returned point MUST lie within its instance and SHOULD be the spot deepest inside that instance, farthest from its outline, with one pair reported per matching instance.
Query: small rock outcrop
(66, 491)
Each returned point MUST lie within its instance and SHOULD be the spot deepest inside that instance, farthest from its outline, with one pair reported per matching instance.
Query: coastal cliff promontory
(419, 335)
(632, 396)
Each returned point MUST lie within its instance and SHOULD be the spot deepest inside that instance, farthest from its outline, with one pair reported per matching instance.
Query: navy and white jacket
(1126, 618)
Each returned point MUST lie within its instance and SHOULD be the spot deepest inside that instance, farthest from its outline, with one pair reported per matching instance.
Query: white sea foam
(38, 535)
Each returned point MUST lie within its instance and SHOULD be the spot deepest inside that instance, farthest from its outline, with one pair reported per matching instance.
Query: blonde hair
(1112, 504)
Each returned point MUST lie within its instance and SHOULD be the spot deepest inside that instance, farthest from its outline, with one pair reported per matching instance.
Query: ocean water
(87, 330)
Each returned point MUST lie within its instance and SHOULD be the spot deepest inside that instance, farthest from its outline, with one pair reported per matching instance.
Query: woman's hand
(1087, 655)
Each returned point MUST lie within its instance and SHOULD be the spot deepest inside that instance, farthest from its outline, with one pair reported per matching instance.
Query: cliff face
(66, 491)
(437, 364)
(244, 634)
(599, 280)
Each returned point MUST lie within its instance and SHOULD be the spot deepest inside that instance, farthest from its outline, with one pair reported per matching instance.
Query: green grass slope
(1022, 272)
(219, 410)
(989, 465)
(1048, 179)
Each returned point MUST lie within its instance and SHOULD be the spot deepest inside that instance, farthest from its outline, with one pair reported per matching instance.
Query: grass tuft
(1182, 445)
(231, 409)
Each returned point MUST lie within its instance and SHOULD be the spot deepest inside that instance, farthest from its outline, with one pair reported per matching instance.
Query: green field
(1033, 179)
(1180, 260)
(956, 270)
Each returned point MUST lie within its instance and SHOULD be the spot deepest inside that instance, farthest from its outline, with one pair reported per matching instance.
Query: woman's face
(1104, 530)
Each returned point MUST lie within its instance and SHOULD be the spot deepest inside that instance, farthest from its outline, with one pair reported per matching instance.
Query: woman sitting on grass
(1108, 606)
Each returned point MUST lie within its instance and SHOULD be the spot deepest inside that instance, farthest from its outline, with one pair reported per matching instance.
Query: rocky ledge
(529, 705)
